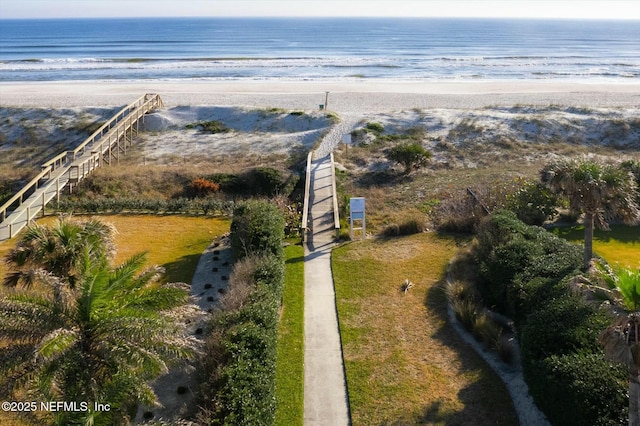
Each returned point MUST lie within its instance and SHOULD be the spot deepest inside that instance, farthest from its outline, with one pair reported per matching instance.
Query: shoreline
(344, 96)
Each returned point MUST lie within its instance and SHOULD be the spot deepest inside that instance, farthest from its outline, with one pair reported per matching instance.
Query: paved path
(326, 400)
(325, 393)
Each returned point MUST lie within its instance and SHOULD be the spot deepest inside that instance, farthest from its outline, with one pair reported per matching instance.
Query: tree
(58, 249)
(621, 341)
(101, 341)
(411, 155)
(603, 192)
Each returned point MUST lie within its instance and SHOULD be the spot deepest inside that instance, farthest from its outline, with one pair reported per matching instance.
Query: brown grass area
(405, 365)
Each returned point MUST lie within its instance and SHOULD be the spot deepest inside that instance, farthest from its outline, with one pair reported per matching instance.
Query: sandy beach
(357, 96)
(583, 113)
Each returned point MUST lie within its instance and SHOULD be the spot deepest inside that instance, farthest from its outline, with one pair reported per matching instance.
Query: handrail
(33, 182)
(336, 214)
(146, 103)
(52, 162)
(141, 101)
(305, 208)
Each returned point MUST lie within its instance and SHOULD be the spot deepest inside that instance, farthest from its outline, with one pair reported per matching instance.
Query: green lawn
(621, 245)
(173, 242)
(405, 364)
(290, 367)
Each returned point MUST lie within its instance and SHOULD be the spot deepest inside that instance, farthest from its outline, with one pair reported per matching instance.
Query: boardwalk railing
(70, 167)
(336, 212)
(305, 207)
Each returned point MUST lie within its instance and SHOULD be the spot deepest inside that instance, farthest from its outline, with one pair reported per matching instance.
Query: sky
(562, 9)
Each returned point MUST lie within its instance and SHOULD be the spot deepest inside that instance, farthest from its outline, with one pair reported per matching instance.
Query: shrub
(257, 228)
(524, 270)
(374, 127)
(260, 182)
(564, 326)
(213, 126)
(227, 182)
(265, 181)
(411, 156)
(240, 364)
(408, 227)
(201, 187)
(533, 203)
(579, 389)
(511, 253)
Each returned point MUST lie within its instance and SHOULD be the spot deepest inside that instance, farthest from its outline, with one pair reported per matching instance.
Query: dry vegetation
(405, 364)
(485, 150)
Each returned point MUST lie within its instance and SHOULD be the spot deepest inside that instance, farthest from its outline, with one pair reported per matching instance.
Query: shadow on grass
(623, 233)
(182, 269)
(486, 401)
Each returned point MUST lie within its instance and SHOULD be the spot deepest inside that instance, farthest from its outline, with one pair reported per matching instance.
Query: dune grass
(405, 364)
(620, 246)
(173, 242)
(290, 365)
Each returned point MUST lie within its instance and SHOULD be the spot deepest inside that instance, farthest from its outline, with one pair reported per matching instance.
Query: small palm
(102, 341)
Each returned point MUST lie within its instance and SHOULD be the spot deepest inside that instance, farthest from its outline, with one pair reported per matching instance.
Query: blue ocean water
(318, 49)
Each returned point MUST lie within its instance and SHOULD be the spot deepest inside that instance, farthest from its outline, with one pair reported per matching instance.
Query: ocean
(319, 49)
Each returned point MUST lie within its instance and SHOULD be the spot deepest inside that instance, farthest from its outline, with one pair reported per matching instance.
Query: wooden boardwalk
(68, 168)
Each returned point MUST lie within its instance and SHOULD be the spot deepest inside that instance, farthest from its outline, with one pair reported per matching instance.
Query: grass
(405, 364)
(290, 365)
(173, 242)
(620, 246)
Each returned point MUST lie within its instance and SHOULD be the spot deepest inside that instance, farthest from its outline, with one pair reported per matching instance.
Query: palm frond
(57, 343)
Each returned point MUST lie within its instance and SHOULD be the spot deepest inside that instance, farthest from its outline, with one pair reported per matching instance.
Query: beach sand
(521, 110)
(344, 96)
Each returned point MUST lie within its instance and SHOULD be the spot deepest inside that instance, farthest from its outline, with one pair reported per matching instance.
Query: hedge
(243, 373)
(118, 205)
(511, 254)
(257, 228)
(580, 389)
(523, 273)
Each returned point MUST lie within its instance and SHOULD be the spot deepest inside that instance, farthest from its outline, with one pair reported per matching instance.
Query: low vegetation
(290, 366)
(239, 368)
(524, 273)
(91, 331)
(404, 363)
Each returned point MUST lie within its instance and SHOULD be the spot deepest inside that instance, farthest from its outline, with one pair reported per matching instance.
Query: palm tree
(57, 249)
(621, 341)
(602, 192)
(101, 341)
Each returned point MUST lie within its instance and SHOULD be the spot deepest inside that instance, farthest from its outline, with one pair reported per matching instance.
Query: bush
(259, 182)
(240, 365)
(374, 127)
(411, 156)
(579, 389)
(524, 271)
(201, 187)
(564, 326)
(257, 228)
(213, 126)
(408, 227)
(533, 203)
(511, 253)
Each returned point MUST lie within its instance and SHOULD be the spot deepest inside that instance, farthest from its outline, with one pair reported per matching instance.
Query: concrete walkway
(325, 390)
